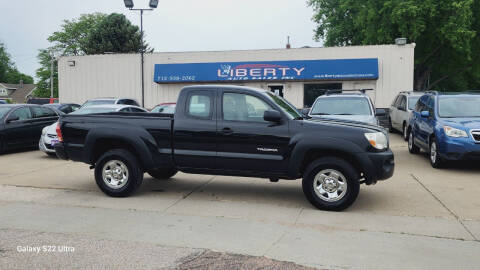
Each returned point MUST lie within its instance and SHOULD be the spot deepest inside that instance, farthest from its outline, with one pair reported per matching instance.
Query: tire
(405, 131)
(52, 154)
(126, 166)
(412, 148)
(316, 190)
(435, 160)
(162, 174)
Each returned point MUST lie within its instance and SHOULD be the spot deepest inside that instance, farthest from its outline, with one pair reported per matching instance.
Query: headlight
(378, 140)
(44, 131)
(454, 132)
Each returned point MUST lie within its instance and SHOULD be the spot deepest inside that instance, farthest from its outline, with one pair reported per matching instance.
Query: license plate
(54, 142)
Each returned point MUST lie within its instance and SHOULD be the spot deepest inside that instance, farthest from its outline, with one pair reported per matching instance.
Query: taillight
(59, 133)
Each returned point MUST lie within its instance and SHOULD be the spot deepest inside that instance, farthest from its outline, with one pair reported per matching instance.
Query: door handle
(227, 131)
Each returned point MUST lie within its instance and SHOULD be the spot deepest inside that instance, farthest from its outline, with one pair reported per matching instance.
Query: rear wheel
(162, 174)
(331, 184)
(118, 173)
(412, 148)
(435, 160)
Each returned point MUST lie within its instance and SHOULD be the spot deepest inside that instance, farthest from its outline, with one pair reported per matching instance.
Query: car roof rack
(431, 92)
(340, 91)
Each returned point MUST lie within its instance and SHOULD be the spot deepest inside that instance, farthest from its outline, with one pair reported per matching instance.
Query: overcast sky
(176, 25)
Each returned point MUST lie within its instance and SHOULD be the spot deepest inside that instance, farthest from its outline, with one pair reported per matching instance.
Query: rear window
(199, 105)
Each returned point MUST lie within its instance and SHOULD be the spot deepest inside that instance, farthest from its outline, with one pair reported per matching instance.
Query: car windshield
(285, 106)
(459, 106)
(98, 102)
(341, 106)
(412, 101)
(4, 111)
(164, 109)
(90, 110)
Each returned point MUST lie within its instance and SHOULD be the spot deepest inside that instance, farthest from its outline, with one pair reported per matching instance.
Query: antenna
(288, 42)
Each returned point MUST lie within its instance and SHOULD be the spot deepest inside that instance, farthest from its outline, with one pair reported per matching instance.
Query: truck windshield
(341, 106)
(459, 106)
(285, 106)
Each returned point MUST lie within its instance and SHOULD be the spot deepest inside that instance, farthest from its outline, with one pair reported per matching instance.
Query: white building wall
(119, 74)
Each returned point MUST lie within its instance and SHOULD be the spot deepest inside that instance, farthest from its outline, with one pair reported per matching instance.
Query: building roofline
(246, 50)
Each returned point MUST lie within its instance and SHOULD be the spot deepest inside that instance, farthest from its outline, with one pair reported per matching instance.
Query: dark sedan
(21, 125)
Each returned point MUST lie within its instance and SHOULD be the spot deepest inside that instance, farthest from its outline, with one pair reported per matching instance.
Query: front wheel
(118, 173)
(435, 160)
(405, 132)
(331, 184)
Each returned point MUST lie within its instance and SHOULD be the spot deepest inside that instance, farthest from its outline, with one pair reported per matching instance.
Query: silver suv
(400, 111)
(353, 107)
(111, 101)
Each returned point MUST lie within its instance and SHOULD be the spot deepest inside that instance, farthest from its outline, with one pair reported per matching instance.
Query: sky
(176, 25)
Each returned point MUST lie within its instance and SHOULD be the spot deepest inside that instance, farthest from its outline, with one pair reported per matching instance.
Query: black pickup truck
(229, 130)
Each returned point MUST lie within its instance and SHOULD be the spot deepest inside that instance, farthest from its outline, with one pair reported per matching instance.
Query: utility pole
(51, 74)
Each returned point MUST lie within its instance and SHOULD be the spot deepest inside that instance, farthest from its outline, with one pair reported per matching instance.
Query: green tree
(43, 74)
(72, 38)
(115, 33)
(8, 72)
(445, 32)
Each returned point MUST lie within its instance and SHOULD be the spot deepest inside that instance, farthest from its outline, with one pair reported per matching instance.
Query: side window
(420, 106)
(242, 107)
(128, 102)
(125, 110)
(40, 112)
(199, 106)
(395, 101)
(136, 110)
(22, 114)
(403, 103)
(431, 105)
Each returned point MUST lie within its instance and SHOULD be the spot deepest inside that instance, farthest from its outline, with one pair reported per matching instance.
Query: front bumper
(376, 166)
(458, 148)
(60, 151)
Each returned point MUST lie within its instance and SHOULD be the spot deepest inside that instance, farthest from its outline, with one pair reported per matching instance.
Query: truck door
(195, 130)
(246, 142)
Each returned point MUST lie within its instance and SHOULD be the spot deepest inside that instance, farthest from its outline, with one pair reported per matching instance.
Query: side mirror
(380, 112)
(272, 116)
(425, 114)
(12, 119)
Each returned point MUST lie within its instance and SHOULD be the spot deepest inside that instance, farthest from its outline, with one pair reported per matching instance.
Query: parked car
(165, 108)
(21, 125)
(230, 130)
(447, 126)
(110, 101)
(49, 135)
(400, 110)
(63, 108)
(351, 106)
(3, 101)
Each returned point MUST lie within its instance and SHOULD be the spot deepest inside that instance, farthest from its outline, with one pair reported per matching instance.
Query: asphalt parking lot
(422, 218)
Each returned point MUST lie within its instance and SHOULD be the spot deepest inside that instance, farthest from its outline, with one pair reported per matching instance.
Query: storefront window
(312, 91)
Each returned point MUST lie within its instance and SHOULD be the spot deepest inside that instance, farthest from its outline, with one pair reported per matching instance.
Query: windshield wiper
(320, 114)
(345, 114)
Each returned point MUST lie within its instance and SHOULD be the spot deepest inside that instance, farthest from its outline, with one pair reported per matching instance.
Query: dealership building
(299, 75)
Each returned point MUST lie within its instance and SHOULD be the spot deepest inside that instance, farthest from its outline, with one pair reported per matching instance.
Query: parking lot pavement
(426, 215)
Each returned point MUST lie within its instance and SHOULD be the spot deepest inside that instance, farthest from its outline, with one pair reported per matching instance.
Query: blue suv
(447, 126)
